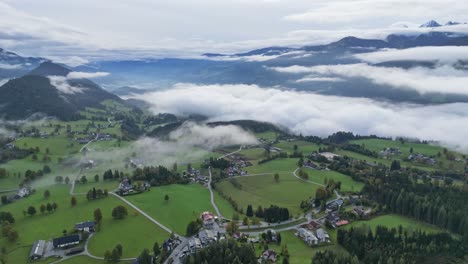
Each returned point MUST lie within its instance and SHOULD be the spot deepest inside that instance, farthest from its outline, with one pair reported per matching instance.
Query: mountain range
(35, 93)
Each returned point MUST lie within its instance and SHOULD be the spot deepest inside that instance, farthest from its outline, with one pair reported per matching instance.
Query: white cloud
(4, 66)
(62, 85)
(72, 61)
(195, 27)
(190, 143)
(446, 55)
(353, 11)
(443, 79)
(86, 75)
(319, 79)
(313, 114)
(212, 137)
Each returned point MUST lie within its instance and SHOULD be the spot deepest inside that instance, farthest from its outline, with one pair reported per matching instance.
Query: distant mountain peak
(452, 23)
(430, 24)
(49, 68)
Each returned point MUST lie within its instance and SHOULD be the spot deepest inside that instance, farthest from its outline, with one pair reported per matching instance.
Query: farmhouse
(268, 256)
(208, 219)
(322, 236)
(390, 152)
(67, 241)
(85, 226)
(330, 156)
(307, 236)
(37, 250)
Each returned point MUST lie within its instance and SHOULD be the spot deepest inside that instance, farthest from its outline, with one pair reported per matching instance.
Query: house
(334, 205)
(37, 250)
(329, 156)
(267, 233)
(322, 236)
(85, 226)
(194, 244)
(208, 219)
(125, 187)
(23, 192)
(10, 146)
(207, 236)
(268, 256)
(342, 223)
(66, 241)
(307, 236)
(390, 152)
(73, 251)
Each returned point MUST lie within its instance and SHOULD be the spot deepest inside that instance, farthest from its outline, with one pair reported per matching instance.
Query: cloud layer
(443, 79)
(444, 55)
(63, 86)
(190, 143)
(312, 114)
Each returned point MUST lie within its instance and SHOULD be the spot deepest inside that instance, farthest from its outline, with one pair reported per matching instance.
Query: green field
(87, 260)
(347, 183)
(427, 149)
(264, 191)
(281, 165)
(304, 146)
(51, 225)
(393, 221)
(186, 202)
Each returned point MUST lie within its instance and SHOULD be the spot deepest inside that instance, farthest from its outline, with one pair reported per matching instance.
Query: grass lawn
(304, 146)
(51, 225)
(135, 233)
(186, 202)
(427, 149)
(224, 206)
(347, 183)
(262, 190)
(269, 136)
(393, 221)
(87, 260)
(253, 153)
(283, 165)
(299, 251)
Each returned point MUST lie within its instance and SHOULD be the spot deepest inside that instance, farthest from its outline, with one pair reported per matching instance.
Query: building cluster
(421, 158)
(62, 246)
(388, 152)
(126, 187)
(311, 236)
(334, 220)
(203, 239)
(238, 163)
(20, 194)
(195, 176)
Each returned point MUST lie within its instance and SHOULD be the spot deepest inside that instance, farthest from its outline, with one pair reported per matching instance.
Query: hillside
(34, 93)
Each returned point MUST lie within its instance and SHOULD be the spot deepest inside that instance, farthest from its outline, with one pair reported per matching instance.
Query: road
(229, 154)
(295, 175)
(218, 213)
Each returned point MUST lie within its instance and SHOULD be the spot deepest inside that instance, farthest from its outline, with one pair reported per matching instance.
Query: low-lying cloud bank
(63, 86)
(443, 79)
(190, 143)
(445, 55)
(313, 114)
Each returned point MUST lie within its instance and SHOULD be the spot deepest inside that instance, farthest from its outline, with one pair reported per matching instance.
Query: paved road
(295, 175)
(234, 152)
(5, 191)
(212, 196)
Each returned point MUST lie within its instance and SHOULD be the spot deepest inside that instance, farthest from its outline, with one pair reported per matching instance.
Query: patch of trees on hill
(227, 252)
(7, 154)
(274, 214)
(429, 202)
(158, 176)
(393, 245)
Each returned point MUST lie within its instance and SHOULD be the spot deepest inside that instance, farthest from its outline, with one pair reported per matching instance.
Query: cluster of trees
(158, 176)
(221, 164)
(9, 232)
(193, 227)
(109, 175)
(228, 252)
(49, 207)
(7, 154)
(275, 214)
(115, 254)
(429, 202)
(332, 257)
(119, 212)
(304, 175)
(94, 194)
(7, 217)
(361, 149)
(270, 157)
(235, 183)
(399, 245)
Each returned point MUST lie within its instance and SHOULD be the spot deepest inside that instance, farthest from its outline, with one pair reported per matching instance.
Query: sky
(138, 28)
